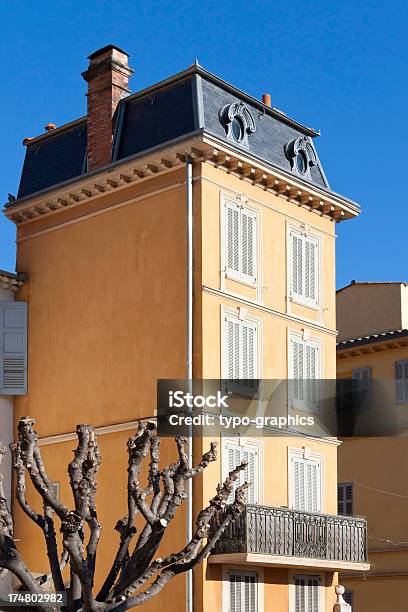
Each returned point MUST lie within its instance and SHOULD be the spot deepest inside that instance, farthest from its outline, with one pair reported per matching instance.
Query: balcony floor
(286, 561)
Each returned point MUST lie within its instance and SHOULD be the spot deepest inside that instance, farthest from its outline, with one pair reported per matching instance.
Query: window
(304, 372)
(361, 378)
(240, 243)
(240, 355)
(243, 591)
(13, 348)
(348, 597)
(234, 454)
(401, 382)
(345, 498)
(307, 593)
(305, 480)
(304, 268)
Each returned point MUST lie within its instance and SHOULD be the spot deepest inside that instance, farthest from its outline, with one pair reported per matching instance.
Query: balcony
(290, 538)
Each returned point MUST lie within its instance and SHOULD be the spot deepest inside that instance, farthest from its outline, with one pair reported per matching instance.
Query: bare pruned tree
(136, 574)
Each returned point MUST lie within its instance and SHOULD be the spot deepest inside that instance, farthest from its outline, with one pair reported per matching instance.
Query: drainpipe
(189, 360)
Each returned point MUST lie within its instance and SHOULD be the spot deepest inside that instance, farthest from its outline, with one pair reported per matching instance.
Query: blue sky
(336, 66)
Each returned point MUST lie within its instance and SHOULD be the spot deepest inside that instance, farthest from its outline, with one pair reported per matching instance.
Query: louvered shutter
(297, 263)
(235, 455)
(306, 483)
(345, 499)
(306, 593)
(233, 344)
(249, 350)
(297, 369)
(232, 237)
(361, 388)
(348, 597)
(310, 372)
(401, 381)
(13, 348)
(310, 269)
(248, 245)
(243, 592)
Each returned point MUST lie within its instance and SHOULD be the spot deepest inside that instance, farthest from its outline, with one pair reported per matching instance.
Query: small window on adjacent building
(243, 591)
(401, 382)
(233, 455)
(345, 498)
(348, 598)
(304, 368)
(304, 268)
(240, 243)
(361, 388)
(306, 485)
(307, 593)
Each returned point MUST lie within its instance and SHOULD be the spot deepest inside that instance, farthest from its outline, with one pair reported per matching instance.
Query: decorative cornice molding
(201, 148)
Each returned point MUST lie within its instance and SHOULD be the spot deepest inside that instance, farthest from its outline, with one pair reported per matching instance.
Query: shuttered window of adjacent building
(361, 388)
(303, 372)
(240, 240)
(345, 498)
(306, 484)
(348, 598)
(401, 382)
(243, 596)
(304, 268)
(234, 455)
(13, 348)
(307, 593)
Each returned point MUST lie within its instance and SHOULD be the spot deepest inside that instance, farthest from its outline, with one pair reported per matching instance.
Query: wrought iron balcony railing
(293, 533)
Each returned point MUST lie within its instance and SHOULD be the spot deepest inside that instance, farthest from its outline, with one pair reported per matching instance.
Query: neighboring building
(101, 232)
(13, 375)
(373, 350)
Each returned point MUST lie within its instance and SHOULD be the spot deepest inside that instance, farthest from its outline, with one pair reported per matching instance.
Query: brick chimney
(108, 78)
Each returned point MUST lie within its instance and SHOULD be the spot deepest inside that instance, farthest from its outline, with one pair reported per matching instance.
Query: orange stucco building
(102, 235)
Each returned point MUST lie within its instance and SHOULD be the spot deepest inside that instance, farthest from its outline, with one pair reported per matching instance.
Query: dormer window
(302, 156)
(237, 121)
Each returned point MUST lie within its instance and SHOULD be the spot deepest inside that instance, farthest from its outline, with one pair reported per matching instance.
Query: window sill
(242, 281)
(303, 302)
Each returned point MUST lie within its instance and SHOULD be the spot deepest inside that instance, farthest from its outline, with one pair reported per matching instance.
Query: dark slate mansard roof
(177, 108)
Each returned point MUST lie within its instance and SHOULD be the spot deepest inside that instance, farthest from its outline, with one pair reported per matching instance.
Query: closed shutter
(306, 593)
(232, 237)
(249, 351)
(13, 348)
(345, 499)
(303, 372)
(304, 256)
(348, 597)
(241, 243)
(310, 271)
(233, 347)
(235, 455)
(361, 388)
(243, 592)
(306, 483)
(248, 245)
(241, 349)
(401, 381)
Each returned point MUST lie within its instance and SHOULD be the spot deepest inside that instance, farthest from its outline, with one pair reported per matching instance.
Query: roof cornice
(200, 147)
(11, 281)
(374, 343)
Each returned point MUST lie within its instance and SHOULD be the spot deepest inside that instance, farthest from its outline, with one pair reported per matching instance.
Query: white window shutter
(249, 350)
(298, 369)
(248, 245)
(242, 591)
(311, 372)
(232, 237)
(234, 455)
(307, 593)
(306, 483)
(297, 264)
(310, 270)
(233, 344)
(13, 348)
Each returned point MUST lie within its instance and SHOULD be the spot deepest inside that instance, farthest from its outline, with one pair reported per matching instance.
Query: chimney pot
(266, 99)
(107, 76)
(49, 127)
